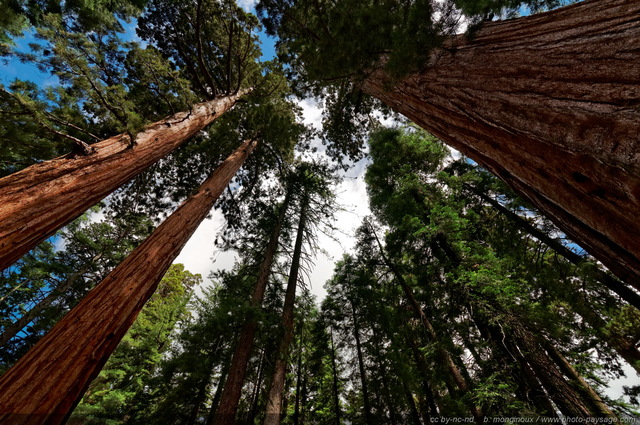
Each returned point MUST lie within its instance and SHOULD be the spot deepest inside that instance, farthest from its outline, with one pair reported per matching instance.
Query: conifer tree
(42, 198)
(556, 127)
(117, 299)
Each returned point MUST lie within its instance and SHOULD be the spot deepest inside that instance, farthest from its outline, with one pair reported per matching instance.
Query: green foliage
(214, 42)
(89, 251)
(120, 392)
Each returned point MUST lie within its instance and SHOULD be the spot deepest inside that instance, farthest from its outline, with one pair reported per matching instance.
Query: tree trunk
(626, 293)
(454, 371)
(413, 409)
(45, 385)
(299, 378)
(226, 413)
(215, 403)
(549, 103)
(430, 409)
(256, 390)
(38, 200)
(274, 401)
(334, 372)
(363, 376)
(598, 407)
(565, 396)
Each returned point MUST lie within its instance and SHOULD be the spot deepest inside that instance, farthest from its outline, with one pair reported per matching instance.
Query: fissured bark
(45, 385)
(37, 201)
(551, 104)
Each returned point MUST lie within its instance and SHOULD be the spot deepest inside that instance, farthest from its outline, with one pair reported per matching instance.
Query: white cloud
(200, 255)
(247, 5)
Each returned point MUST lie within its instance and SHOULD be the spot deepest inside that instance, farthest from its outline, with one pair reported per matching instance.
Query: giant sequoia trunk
(46, 384)
(38, 200)
(226, 413)
(276, 389)
(550, 104)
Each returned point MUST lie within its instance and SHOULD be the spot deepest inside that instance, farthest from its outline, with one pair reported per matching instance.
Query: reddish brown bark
(38, 200)
(226, 412)
(568, 399)
(46, 384)
(549, 103)
(276, 389)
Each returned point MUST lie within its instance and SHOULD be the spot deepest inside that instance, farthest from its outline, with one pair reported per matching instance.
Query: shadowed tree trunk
(454, 371)
(598, 407)
(40, 199)
(363, 375)
(334, 372)
(626, 293)
(226, 413)
(567, 397)
(274, 400)
(549, 103)
(46, 384)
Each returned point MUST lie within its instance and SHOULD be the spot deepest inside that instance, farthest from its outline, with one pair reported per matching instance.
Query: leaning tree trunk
(363, 374)
(566, 396)
(445, 356)
(46, 384)
(38, 200)
(625, 292)
(276, 389)
(226, 412)
(549, 103)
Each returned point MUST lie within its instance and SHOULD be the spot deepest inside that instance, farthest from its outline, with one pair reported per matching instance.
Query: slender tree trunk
(38, 200)
(334, 370)
(549, 103)
(598, 407)
(383, 372)
(413, 409)
(453, 369)
(363, 376)
(226, 413)
(431, 408)
(299, 377)
(256, 391)
(46, 384)
(215, 403)
(625, 347)
(276, 389)
(13, 329)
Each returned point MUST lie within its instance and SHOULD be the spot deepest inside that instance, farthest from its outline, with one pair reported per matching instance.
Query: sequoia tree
(38, 390)
(547, 102)
(40, 199)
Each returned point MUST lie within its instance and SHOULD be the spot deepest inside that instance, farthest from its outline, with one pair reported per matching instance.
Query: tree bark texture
(550, 104)
(226, 413)
(598, 407)
(40, 199)
(564, 395)
(276, 389)
(45, 385)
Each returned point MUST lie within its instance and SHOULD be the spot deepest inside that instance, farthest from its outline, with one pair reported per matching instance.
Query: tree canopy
(458, 297)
